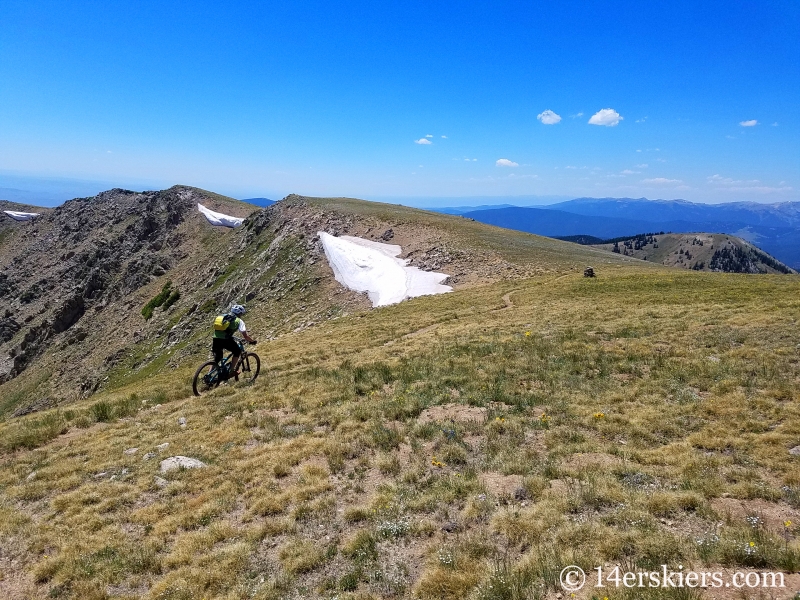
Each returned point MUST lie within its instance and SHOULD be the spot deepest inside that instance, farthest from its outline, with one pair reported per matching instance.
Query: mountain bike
(211, 374)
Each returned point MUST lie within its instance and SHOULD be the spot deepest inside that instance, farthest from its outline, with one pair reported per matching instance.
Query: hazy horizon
(53, 191)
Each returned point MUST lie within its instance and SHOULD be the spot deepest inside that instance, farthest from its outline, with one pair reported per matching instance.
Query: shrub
(102, 411)
(158, 300)
(172, 299)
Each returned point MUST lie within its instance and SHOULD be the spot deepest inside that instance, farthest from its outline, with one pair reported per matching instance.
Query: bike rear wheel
(249, 367)
(206, 378)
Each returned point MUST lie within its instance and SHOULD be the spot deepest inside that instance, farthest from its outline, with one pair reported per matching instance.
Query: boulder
(180, 462)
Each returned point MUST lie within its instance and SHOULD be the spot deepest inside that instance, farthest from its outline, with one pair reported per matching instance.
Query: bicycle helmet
(238, 310)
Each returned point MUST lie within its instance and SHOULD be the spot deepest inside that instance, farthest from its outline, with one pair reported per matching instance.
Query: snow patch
(366, 266)
(216, 218)
(20, 216)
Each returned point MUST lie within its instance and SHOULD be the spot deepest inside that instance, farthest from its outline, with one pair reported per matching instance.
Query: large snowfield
(216, 218)
(366, 266)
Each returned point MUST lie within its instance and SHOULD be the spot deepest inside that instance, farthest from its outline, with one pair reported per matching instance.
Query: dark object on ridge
(588, 272)
(387, 235)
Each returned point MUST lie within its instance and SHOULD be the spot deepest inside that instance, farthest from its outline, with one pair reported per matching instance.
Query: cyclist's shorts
(220, 344)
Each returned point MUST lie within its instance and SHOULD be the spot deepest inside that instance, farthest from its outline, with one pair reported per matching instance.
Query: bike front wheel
(206, 378)
(249, 367)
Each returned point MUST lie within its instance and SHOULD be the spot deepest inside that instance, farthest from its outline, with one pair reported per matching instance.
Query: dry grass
(626, 407)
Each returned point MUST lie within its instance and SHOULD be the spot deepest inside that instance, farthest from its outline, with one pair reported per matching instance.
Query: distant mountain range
(264, 202)
(460, 210)
(774, 228)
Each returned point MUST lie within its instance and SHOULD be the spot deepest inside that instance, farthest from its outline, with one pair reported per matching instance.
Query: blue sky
(325, 98)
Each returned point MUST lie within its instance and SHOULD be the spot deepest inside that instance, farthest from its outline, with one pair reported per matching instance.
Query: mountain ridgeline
(122, 284)
(774, 228)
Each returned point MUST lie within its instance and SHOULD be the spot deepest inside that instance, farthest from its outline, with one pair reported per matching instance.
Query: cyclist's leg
(233, 348)
(217, 347)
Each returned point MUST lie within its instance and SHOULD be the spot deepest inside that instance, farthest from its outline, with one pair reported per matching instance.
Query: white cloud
(642, 166)
(423, 141)
(718, 179)
(607, 117)
(577, 115)
(429, 135)
(570, 167)
(628, 172)
(775, 124)
(661, 181)
(548, 117)
(504, 162)
(470, 159)
(444, 137)
(762, 189)
(749, 185)
(750, 123)
(642, 120)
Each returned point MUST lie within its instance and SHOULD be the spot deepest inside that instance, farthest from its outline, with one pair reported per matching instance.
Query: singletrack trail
(508, 303)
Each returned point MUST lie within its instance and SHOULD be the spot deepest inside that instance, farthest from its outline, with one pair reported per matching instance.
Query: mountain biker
(225, 326)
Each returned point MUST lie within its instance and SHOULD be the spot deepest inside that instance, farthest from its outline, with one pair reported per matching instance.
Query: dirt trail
(507, 301)
(423, 330)
(507, 297)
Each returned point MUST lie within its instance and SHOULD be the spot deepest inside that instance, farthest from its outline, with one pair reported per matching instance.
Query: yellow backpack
(223, 322)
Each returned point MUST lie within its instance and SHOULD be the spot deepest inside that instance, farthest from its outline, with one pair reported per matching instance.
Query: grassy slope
(639, 418)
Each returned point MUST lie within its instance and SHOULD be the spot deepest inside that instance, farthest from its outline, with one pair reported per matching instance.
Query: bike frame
(221, 364)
